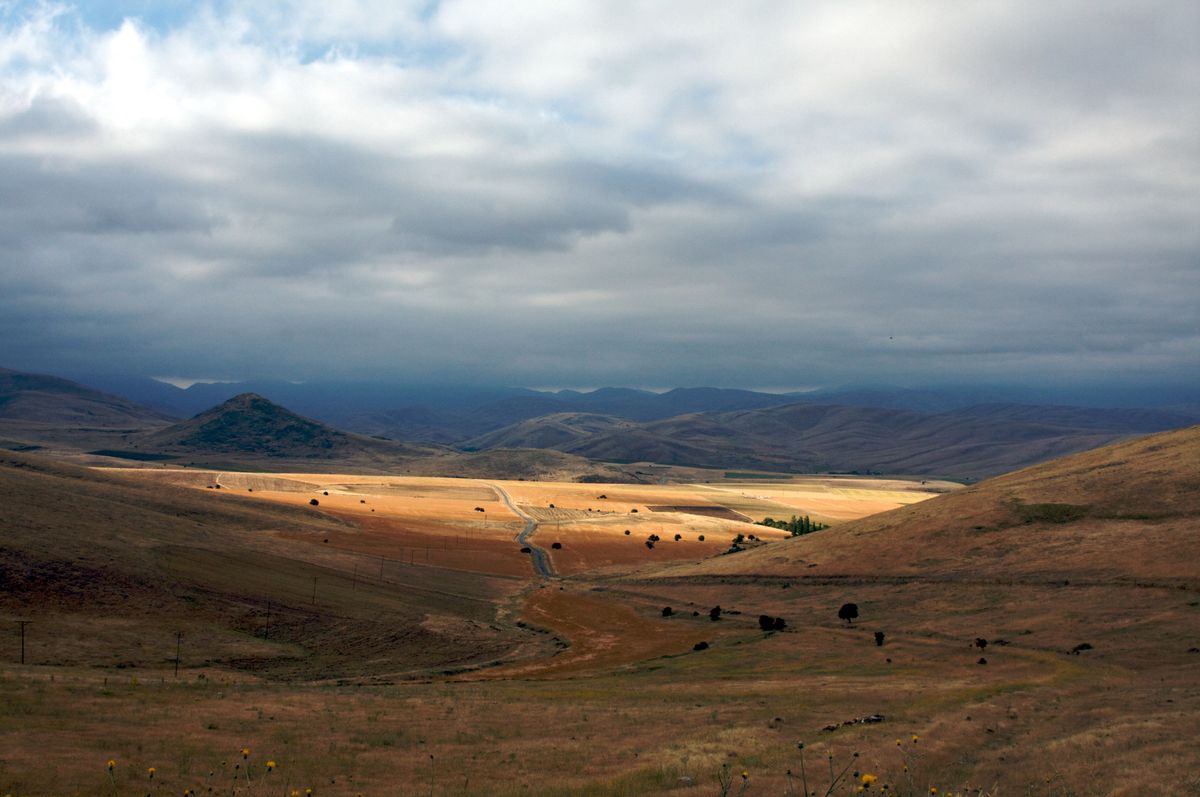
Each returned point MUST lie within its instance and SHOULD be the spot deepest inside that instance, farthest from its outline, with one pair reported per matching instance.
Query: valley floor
(579, 684)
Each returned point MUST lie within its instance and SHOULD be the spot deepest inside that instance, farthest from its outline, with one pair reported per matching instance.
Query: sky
(761, 194)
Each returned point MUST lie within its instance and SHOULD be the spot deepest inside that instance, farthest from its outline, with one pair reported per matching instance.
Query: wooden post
(314, 591)
(268, 634)
(23, 623)
(178, 645)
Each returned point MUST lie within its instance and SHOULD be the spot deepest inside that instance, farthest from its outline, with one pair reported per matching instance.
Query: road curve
(541, 560)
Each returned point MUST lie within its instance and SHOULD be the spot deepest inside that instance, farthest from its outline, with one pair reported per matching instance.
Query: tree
(848, 612)
(714, 613)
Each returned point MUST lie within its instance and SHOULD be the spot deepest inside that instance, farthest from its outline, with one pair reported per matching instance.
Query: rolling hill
(40, 400)
(250, 432)
(114, 567)
(1128, 512)
(807, 438)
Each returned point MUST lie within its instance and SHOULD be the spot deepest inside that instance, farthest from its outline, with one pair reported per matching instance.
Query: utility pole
(268, 634)
(178, 645)
(314, 591)
(23, 623)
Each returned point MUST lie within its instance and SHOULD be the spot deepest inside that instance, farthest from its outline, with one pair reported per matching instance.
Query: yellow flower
(270, 765)
(295, 793)
(111, 765)
(745, 774)
(150, 771)
(915, 738)
(933, 789)
(868, 779)
(245, 752)
(897, 742)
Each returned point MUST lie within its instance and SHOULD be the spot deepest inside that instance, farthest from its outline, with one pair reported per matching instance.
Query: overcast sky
(646, 193)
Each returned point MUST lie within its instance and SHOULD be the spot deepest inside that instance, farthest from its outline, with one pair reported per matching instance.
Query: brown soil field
(468, 676)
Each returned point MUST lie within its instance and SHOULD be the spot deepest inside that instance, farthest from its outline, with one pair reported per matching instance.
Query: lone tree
(848, 612)
(980, 642)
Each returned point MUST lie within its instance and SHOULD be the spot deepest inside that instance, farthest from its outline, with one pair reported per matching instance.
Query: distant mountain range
(539, 432)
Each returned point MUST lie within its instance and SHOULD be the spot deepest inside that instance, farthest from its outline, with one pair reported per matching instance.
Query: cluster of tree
(797, 525)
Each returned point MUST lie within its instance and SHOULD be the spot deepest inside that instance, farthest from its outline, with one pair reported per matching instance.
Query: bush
(848, 612)
(878, 639)
(714, 613)
(557, 546)
(768, 623)
(700, 646)
(314, 502)
(667, 611)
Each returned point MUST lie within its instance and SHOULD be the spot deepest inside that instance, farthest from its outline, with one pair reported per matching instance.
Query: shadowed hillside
(110, 568)
(809, 438)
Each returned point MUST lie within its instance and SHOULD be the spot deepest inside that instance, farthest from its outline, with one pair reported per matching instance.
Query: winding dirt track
(538, 556)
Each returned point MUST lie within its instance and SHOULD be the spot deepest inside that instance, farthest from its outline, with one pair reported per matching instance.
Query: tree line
(797, 525)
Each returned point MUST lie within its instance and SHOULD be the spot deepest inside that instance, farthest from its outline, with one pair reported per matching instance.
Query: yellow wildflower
(915, 738)
(868, 779)
(245, 752)
(270, 765)
(150, 771)
(112, 764)
(745, 774)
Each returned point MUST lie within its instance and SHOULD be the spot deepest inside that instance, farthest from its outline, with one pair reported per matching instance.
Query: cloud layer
(623, 193)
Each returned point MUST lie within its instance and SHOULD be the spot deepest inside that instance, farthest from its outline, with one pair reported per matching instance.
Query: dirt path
(541, 560)
(603, 636)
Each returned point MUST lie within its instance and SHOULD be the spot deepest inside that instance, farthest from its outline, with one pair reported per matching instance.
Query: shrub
(714, 613)
(848, 612)
(314, 502)
(701, 538)
(626, 532)
(667, 611)
(557, 546)
(980, 642)
(879, 639)
(526, 550)
(766, 622)
(700, 646)
(678, 537)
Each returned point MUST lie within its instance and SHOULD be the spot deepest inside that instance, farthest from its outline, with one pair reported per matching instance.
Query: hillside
(250, 425)
(45, 411)
(112, 567)
(806, 438)
(1127, 512)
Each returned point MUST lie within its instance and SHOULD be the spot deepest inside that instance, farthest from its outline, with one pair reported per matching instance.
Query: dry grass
(347, 698)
